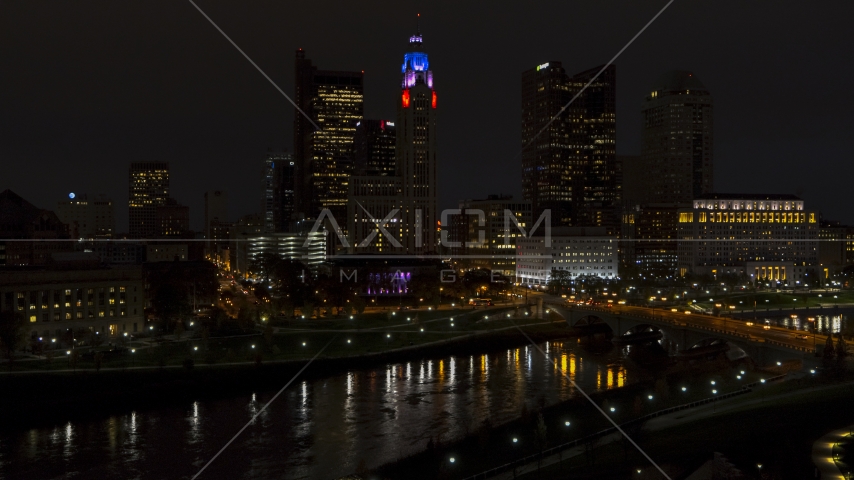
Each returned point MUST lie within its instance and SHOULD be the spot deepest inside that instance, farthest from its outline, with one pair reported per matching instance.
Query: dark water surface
(317, 429)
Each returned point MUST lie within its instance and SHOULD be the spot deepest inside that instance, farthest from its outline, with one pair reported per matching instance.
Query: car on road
(802, 336)
(766, 327)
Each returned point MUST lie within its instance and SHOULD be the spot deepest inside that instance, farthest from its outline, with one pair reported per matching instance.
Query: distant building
(763, 238)
(569, 154)
(172, 219)
(310, 249)
(119, 253)
(148, 188)
(277, 191)
(87, 217)
(371, 200)
(166, 252)
(677, 140)
(216, 209)
(324, 157)
(28, 234)
(57, 303)
(580, 251)
(630, 177)
(649, 238)
(374, 148)
(478, 233)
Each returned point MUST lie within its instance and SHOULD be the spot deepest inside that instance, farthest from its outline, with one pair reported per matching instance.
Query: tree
(12, 334)
(179, 329)
(841, 350)
(559, 280)
(170, 303)
(828, 353)
(359, 304)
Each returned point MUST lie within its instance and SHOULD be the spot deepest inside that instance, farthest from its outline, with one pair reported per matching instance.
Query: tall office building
(416, 150)
(148, 188)
(569, 154)
(277, 191)
(412, 191)
(677, 142)
(87, 217)
(324, 155)
(374, 148)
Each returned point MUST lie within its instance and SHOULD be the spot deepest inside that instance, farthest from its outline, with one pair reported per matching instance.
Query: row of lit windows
(746, 217)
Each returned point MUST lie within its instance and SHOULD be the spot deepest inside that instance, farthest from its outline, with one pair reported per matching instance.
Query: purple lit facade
(388, 283)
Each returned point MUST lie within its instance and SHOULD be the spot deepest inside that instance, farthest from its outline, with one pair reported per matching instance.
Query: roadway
(785, 337)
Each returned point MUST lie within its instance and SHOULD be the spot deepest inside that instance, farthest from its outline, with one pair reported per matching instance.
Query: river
(317, 429)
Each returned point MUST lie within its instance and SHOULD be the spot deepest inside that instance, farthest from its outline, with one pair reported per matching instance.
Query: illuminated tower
(148, 188)
(416, 150)
(324, 157)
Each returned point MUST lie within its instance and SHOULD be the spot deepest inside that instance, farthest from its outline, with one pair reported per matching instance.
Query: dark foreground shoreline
(45, 399)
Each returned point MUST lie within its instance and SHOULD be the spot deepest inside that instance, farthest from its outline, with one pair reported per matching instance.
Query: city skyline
(234, 116)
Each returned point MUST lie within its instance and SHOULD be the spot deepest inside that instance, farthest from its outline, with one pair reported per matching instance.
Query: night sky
(88, 86)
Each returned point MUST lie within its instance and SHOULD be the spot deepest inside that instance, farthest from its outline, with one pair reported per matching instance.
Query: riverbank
(51, 397)
(493, 445)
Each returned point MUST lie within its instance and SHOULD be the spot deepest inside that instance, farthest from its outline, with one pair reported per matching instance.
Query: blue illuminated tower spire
(416, 66)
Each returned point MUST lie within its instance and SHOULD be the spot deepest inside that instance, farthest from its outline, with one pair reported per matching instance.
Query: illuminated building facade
(677, 140)
(324, 157)
(87, 217)
(56, 303)
(148, 189)
(569, 160)
(747, 235)
(479, 230)
(374, 148)
(309, 248)
(580, 251)
(413, 190)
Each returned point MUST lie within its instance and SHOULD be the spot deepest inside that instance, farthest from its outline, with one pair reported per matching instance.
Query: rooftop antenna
(418, 24)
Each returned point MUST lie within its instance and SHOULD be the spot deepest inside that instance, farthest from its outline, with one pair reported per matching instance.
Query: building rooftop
(748, 196)
(676, 80)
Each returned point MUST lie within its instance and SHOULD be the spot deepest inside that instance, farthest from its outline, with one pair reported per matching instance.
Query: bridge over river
(692, 333)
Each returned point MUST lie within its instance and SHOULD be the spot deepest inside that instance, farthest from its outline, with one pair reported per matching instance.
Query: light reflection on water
(805, 321)
(320, 429)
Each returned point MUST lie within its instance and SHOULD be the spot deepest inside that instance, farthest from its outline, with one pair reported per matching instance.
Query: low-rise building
(723, 233)
(479, 230)
(580, 251)
(105, 300)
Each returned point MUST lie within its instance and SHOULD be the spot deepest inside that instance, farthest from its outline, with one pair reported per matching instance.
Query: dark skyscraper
(324, 158)
(570, 167)
(277, 191)
(374, 148)
(148, 188)
(677, 144)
